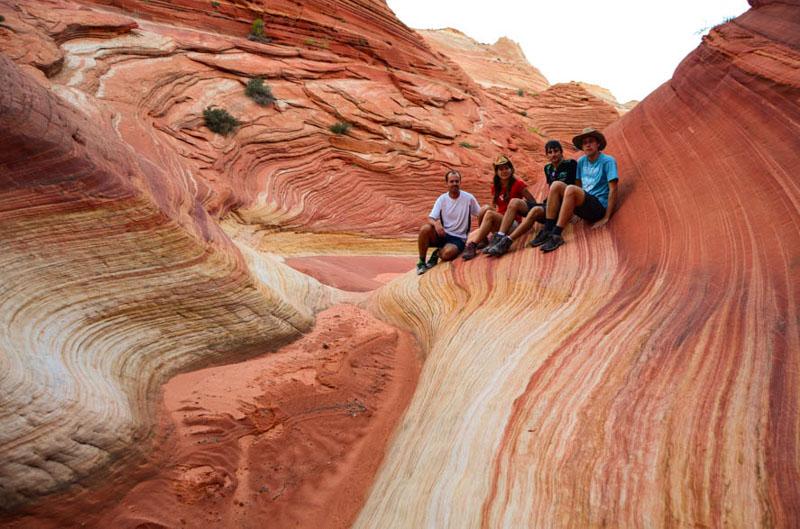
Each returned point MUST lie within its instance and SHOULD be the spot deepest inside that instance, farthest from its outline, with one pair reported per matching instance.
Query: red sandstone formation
(646, 374)
(654, 380)
(499, 65)
(562, 111)
(355, 274)
(113, 193)
(293, 438)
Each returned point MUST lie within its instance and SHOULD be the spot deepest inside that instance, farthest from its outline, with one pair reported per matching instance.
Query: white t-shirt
(455, 213)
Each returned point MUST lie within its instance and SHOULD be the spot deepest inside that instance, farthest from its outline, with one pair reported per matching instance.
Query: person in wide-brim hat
(577, 141)
(593, 201)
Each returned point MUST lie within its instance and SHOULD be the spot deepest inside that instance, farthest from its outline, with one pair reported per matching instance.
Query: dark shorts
(591, 210)
(532, 204)
(458, 242)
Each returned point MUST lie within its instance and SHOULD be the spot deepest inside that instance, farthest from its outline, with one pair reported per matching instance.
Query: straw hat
(502, 160)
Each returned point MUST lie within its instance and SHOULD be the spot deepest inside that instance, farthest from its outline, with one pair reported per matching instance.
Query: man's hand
(600, 223)
(439, 229)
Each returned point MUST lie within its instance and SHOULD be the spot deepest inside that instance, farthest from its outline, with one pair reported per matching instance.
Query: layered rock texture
(644, 375)
(499, 65)
(550, 111)
(137, 244)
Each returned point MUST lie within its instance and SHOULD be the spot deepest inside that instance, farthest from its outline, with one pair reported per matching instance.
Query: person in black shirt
(558, 170)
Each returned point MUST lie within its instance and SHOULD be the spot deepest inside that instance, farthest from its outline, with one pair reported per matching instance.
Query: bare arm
(612, 202)
(437, 225)
(527, 195)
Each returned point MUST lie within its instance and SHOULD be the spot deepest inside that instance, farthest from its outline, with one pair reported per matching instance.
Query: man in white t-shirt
(447, 225)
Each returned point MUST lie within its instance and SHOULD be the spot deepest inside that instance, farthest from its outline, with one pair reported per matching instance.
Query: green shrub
(520, 92)
(340, 127)
(257, 28)
(219, 121)
(2, 19)
(316, 43)
(467, 145)
(523, 113)
(259, 92)
(214, 4)
(257, 31)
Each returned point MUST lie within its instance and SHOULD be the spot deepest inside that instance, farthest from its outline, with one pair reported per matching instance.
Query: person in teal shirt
(593, 199)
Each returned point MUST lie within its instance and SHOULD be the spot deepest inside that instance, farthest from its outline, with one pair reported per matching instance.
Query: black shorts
(532, 204)
(591, 210)
(458, 242)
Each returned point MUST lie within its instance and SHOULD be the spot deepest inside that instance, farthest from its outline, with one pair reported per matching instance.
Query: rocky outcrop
(647, 373)
(115, 278)
(560, 112)
(117, 272)
(644, 374)
(499, 65)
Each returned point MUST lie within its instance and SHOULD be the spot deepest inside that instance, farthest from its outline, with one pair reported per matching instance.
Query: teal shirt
(596, 175)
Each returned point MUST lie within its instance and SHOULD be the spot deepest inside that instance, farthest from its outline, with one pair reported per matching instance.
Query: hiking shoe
(433, 259)
(470, 251)
(502, 246)
(540, 238)
(553, 242)
(421, 268)
(488, 249)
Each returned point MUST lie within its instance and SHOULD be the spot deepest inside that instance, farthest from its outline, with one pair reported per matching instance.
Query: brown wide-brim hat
(577, 141)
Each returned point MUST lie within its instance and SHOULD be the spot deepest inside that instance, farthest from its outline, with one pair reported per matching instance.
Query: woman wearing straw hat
(505, 187)
(594, 201)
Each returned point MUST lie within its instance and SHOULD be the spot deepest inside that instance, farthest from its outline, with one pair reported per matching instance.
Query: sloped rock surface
(114, 278)
(117, 274)
(645, 374)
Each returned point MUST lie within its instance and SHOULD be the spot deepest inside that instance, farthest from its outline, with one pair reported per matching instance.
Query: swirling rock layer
(646, 374)
(117, 274)
(114, 278)
(294, 437)
(499, 65)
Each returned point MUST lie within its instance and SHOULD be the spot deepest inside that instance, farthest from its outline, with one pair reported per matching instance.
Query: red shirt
(516, 192)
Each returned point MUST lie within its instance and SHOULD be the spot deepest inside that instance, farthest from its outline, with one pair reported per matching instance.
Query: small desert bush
(257, 31)
(340, 127)
(259, 92)
(467, 145)
(523, 113)
(214, 4)
(219, 120)
(520, 92)
(2, 19)
(314, 43)
(257, 28)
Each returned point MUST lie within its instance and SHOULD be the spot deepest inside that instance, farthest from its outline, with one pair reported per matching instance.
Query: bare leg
(474, 235)
(557, 190)
(517, 206)
(574, 196)
(536, 213)
(427, 236)
(449, 252)
(491, 221)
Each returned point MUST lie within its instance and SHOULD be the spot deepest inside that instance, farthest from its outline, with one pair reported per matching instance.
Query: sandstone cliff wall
(646, 374)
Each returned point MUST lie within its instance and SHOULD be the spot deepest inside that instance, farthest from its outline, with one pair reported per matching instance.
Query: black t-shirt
(566, 172)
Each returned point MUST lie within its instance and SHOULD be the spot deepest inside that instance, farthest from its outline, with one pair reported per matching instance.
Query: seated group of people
(586, 188)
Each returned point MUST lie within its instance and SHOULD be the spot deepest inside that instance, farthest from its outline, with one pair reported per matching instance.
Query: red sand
(360, 273)
(290, 439)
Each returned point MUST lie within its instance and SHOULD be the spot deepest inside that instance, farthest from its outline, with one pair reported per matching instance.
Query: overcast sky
(627, 46)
